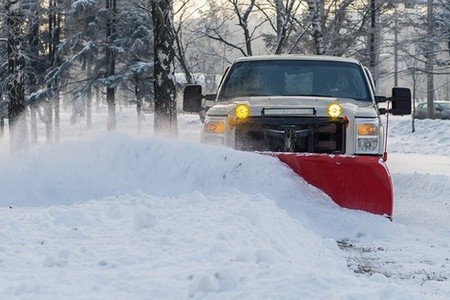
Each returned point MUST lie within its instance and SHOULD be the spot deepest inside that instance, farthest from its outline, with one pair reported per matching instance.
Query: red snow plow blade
(355, 182)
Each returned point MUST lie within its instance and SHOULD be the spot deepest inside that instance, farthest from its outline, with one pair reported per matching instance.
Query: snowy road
(419, 163)
(416, 252)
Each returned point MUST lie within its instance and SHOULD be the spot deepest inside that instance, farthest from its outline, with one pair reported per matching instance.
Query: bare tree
(183, 14)
(281, 16)
(426, 47)
(243, 14)
(233, 12)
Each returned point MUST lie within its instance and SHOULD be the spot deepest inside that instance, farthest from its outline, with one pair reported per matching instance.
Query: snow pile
(118, 163)
(430, 136)
(124, 216)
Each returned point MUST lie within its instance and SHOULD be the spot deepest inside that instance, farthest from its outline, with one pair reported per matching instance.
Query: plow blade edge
(355, 182)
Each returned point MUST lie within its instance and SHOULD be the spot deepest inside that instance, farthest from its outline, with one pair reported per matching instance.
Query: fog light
(242, 111)
(334, 110)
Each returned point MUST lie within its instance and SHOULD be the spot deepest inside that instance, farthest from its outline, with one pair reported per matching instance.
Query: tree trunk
(181, 55)
(33, 41)
(281, 22)
(47, 107)
(111, 64)
(373, 42)
(48, 120)
(430, 60)
(110, 100)
(98, 101)
(139, 102)
(33, 123)
(15, 85)
(2, 127)
(164, 68)
(243, 23)
(89, 99)
(57, 61)
(56, 105)
(315, 15)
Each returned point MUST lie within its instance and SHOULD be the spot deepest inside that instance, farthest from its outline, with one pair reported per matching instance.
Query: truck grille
(292, 134)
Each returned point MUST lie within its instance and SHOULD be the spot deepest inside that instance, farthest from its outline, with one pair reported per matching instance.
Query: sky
(128, 215)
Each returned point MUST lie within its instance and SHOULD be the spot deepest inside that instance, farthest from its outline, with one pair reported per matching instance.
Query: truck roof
(297, 57)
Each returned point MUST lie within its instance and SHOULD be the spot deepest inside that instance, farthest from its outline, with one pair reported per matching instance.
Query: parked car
(441, 110)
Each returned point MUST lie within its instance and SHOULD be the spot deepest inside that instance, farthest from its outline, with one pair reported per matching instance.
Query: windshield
(445, 106)
(295, 78)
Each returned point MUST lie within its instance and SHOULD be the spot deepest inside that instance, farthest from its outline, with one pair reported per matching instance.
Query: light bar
(274, 112)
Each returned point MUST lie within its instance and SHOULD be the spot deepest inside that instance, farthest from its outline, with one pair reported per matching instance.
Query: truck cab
(294, 103)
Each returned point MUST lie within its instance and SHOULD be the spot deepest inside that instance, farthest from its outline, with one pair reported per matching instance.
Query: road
(419, 163)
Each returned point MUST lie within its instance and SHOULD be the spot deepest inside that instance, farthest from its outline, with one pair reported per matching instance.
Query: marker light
(242, 111)
(334, 110)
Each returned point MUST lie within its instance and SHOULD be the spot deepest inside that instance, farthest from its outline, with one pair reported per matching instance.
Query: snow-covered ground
(133, 216)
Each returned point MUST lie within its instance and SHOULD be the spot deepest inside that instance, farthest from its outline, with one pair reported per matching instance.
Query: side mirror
(192, 98)
(380, 99)
(401, 101)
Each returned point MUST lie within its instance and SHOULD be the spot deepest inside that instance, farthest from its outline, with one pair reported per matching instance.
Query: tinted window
(296, 78)
(445, 106)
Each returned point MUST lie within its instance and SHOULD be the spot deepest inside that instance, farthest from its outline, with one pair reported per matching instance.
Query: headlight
(214, 126)
(367, 136)
(334, 110)
(213, 131)
(242, 111)
(365, 129)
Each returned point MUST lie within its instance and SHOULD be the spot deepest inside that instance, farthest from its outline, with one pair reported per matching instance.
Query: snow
(80, 5)
(126, 215)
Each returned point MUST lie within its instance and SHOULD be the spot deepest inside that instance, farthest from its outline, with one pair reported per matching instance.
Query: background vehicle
(317, 114)
(441, 110)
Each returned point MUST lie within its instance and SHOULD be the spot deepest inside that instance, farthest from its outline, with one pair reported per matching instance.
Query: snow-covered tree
(164, 68)
(136, 63)
(109, 46)
(3, 71)
(15, 83)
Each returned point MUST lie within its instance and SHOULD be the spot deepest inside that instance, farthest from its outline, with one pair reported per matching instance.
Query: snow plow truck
(317, 114)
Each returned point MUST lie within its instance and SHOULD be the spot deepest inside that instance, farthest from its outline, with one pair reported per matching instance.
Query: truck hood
(349, 106)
